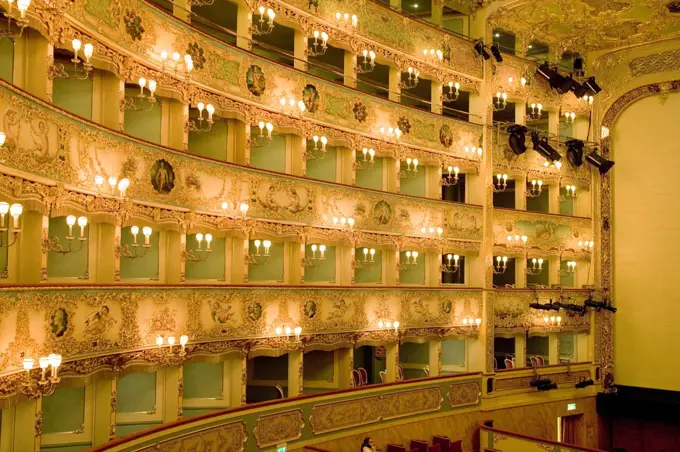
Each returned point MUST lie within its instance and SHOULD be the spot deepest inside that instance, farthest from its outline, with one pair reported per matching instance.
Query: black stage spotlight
(599, 305)
(578, 89)
(577, 308)
(575, 152)
(544, 71)
(481, 50)
(563, 86)
(542, 147)
(496, 51)
(592, 87)
(516, 139)
(584, 383)
(578, 65)
(599, 162)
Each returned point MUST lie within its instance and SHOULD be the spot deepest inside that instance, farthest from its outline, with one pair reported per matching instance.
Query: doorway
(569, 429)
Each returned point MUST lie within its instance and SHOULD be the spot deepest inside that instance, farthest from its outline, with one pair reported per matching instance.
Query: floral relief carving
(278, 428)
(464, 394)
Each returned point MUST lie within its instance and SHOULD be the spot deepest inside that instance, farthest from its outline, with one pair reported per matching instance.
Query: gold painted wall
(646, 228)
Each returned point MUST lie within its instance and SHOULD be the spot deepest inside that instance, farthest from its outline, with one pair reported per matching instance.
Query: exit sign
(570, 407)
(281, 448)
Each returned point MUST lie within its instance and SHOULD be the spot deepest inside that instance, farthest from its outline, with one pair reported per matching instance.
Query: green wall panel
(266, 368)
(128, 429)
(566, 278)
(189, 412)
(414, 274)
(6, 59)
(211, 268)
(324, 272)
(64, 411)
(542, 278)
(203, 380)
(538, 345)
(414, 183)
(567, 344)
(72, 95)
(212, 144)
(372, 273)
(271, 157)
(69, 448)
(371, 177)
(319, 366)
(540, 203)
(453, 352)
(145, 125)
(566, 206)
(144, 267)
(136, 393)
(71, 265)
(413, 353)
(273, 269)
(325, 168)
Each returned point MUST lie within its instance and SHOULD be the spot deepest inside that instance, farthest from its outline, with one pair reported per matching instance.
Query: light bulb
(76, 44)
(142, 82)
(28, 363)
(322, 248)
(134, 230)
(208, 238)
(183, 340)
(175, 57)
(244, 207)
(123, 184)
(314, 247)
(44, 362)
(82, 222)
(88, 50)
(171, 341)
(3, 137)
(113, 181)
(159, 340)
(199, 237)
(146, 230)
(71, 220)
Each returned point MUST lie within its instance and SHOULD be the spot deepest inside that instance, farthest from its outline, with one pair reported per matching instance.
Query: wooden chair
(280, 390)
(509, 364)
(356, 378)
(419, 445)
(364, 376)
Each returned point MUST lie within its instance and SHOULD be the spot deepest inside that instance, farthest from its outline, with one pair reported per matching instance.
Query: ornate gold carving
(561, 378)
(464, 394)
(278, 428)
(230, 438)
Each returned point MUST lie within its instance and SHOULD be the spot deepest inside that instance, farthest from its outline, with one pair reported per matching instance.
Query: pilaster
(173, 393)
(346, 365)
(104, 412)
(435, 355)
(350, 69)
(394, 88)
(295, 373)
(392, 361)
(300, 50)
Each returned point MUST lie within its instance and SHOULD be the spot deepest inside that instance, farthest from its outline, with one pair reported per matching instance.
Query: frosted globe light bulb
(146, 230)
(199, 237)
(159, 340)
(71, 220)
(76, 44)
(88, 50)
(322, 248)
(134, 230)
(82, 222)
(208, 238)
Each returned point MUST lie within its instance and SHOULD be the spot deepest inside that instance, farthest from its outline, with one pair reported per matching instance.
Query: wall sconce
(500, 101)
(586, 245)
(57, 70)
(569, 117)
(200, 257)
(367, 63)
(570, 193)
(412, 79)
(344, 222)
(3, 137)
(129, 102)
(536, 267)
(501, 265)
(411, 167)
(390, 132)
(411, 261)
(587, 99)
(257, 258)
(451, 180)
(262, 140)
(291, 107)
(474, 150)
(241, 208)
(452, 95)
(536, 111)
(571, 268)
(552, 320)
(45, 386)
(388, 325)
(469, 321)
(358, 263)
(286, 331)
(261, 27)
(536, 189)
(21, 21)
(133, 254)
(314, 260)
(318, 48)
(53, 244)
(517, 240)
(451, 267)
(121, 185)
(15, 211)
(170, 358)
(191, 125)
(346, 21)
(433, 56)
(501, 183)
(314, 154)
(366, 163)
(431, 230)
(177, 63)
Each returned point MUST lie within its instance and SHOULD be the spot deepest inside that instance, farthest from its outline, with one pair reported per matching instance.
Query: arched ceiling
(587, 25)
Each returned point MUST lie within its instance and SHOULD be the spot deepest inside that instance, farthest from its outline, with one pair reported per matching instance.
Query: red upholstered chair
(443, 441)
(395, 448)
(456, 446)
(356, 378)
(364, 376)
(435, 448)
(420, 446)
(534, 361)
(509, 364)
